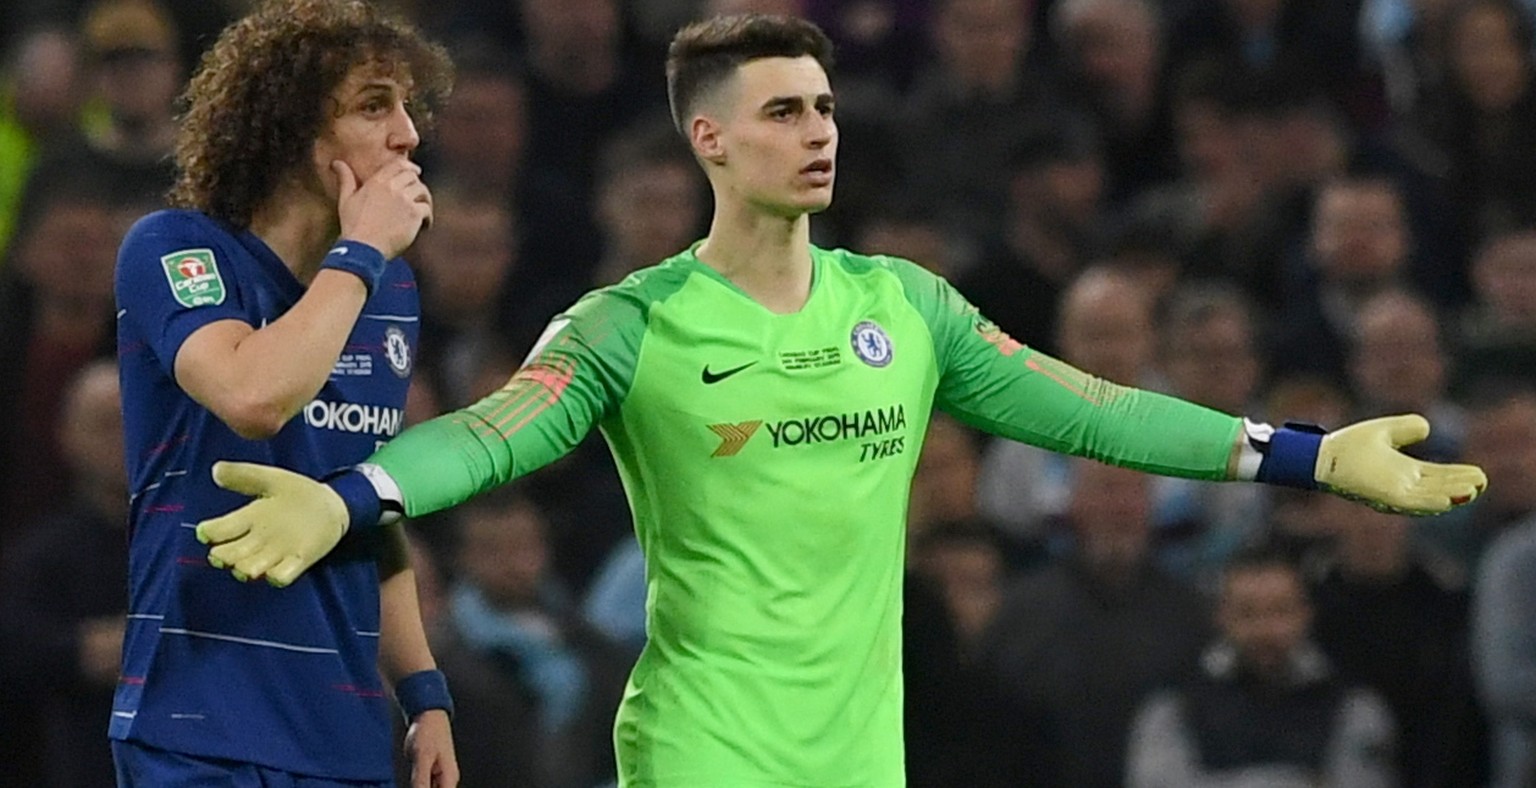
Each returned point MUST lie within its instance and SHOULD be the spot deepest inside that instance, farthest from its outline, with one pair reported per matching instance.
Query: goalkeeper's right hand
(293, 523)
(1363, 462)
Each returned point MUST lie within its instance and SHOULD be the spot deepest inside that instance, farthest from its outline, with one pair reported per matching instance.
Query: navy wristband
(422, 691)
(364, 509)
(1290, 456)
(358, 259)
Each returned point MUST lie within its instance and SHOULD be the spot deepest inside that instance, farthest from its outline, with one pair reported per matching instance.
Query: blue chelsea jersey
(285, 678)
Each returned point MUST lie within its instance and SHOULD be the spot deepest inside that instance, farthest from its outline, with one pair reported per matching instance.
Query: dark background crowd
(1315, 210)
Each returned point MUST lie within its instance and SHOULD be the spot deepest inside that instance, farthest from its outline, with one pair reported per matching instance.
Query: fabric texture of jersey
(283, 678)
(768, 458)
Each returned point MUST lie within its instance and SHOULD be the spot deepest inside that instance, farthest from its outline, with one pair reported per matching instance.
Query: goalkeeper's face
(769, 139)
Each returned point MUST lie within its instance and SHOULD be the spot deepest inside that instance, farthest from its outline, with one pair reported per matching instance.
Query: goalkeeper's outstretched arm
(1000, 386)
(1361, 461)
(543, 412)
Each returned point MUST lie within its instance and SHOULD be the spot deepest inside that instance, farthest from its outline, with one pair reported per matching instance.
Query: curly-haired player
(268, 317)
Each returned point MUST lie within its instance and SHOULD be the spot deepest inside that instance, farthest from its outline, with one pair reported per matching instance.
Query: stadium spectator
(1105, 327)
(463, 267)
(1054, 181)
(1114, 62)
(63, 319)
(581, 85)
(62, 614)
(1266, 707)
(1398, 364)
(1078, 645)
(1496, 334)
(1501, 437)
(40, 95)
(1359, 246)
(134, 72)
(535, 687)
(1504, 652)
(1393, 617)
(1482, 127)
(961, 120)
(1207, 348)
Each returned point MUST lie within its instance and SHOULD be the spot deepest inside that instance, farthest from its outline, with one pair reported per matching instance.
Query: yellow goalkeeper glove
(1362, 462)
(293, 523)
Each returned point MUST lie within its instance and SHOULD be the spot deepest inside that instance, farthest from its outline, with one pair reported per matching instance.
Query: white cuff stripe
(1249, 457)
(393, 501)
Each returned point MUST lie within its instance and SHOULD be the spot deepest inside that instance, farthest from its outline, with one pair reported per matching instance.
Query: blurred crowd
(1310, 210)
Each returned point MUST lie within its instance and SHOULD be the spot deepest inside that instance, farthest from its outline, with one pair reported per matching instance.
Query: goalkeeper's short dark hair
(704, 54)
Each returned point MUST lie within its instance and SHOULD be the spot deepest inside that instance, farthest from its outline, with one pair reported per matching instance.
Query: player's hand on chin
(387, 210)
(293, 523)
(429, 746)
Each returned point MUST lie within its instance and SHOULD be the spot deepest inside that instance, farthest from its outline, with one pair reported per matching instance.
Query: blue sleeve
(174, 276)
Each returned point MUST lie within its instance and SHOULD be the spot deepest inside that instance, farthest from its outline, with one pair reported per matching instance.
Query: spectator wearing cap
(134, 72)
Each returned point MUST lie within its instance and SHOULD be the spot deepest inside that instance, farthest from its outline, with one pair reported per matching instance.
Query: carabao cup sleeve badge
(194, 277)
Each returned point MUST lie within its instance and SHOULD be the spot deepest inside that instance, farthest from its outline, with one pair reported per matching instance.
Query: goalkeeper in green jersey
(765, 400)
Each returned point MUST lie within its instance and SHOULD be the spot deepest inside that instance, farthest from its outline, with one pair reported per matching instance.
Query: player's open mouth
(818, 171)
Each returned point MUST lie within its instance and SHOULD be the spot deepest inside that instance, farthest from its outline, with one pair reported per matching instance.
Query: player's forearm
(289, 359)
(445, 461)
(405, 659)
(257, 380)
(1045, 402)
(534, 420)
(1165, 435)
(403, 648)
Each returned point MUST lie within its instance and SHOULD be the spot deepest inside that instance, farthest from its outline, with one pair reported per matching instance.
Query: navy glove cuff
(364, 509)
(1290, 456)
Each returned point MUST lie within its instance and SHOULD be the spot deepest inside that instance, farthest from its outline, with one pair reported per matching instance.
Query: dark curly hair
(260, 97)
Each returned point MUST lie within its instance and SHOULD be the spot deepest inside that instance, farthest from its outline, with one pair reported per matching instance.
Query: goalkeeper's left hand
(1362, 462)
(293, 523)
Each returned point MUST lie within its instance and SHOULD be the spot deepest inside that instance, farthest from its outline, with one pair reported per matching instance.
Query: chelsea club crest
(871, 344)
(397, 350)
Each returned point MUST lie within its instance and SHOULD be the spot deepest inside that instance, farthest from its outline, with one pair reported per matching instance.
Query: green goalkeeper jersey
(767, 459)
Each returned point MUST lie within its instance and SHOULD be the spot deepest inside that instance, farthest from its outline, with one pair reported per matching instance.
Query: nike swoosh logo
(715, 377)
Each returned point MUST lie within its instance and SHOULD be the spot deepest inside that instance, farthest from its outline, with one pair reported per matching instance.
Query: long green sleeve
(578, 373)
(997, 385)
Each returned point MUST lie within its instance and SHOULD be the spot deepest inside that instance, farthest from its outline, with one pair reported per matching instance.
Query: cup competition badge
(194, 277)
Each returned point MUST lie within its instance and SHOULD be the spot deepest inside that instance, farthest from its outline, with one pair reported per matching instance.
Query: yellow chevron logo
(733, 436)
